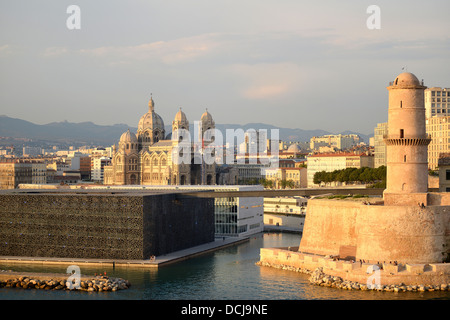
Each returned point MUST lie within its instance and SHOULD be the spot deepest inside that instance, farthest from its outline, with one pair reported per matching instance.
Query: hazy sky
(290, 63)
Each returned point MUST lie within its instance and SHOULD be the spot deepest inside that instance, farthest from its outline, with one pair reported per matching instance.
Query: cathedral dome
(128, 137)
(151, 120)
(406, 79)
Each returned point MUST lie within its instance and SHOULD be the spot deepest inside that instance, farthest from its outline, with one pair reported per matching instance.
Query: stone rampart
(356, 271)
(406, 234)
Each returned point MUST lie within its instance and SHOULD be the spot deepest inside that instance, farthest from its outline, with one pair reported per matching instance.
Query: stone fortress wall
(346, 237)
(407, 234)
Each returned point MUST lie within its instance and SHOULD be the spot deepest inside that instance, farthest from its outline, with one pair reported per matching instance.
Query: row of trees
(353, 175)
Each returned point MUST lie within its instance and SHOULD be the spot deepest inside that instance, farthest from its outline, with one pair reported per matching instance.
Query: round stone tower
(407, 140)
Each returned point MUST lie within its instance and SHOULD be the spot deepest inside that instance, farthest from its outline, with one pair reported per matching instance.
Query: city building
(98, 165)
(285, 212)
(15, 172)
(337, 141)
(234, 216)
(379, 145)
(31, 151)
(287, 177)
(81, 162)
(286, 205)
(336, 161)
(444, 172)
(438, 129)
(437, 102)
(102, 224)
(147, 156)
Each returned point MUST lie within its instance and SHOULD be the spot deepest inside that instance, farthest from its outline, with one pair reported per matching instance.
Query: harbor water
(229, 273)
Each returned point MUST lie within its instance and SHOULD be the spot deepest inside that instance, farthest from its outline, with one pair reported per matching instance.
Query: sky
(288, 63)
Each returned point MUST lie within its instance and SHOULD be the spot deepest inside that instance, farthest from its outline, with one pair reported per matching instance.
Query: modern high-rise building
(97, 169)
(439, 130)
(437, 113)
(379, 145)
(437, 102)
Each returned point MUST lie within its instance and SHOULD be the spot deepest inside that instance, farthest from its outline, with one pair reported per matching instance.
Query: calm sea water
(226, 274)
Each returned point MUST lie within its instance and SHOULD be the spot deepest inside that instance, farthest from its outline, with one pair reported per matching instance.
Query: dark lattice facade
(105, 225)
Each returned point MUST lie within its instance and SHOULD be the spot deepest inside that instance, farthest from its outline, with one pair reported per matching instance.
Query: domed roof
(294, 148)
(151, 120)
(128, 137)
(206, 116)
(406, 79)
(180, 116)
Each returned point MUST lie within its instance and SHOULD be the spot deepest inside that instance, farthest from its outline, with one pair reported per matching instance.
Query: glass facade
(226, 211)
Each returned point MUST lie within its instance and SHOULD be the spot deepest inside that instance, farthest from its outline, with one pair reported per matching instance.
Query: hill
(89, 133)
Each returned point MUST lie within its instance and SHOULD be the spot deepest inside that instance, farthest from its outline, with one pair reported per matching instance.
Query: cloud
(55, 51)
(168, 52)
(267, 80)
(5, 50)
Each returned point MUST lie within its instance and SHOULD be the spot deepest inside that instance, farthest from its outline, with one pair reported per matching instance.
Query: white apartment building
(97, 167)
(336, 161)
(379, 144)
(437, 102)
(439, 130)
(337, 141)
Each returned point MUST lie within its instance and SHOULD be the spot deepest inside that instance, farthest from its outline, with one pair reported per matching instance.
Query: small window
(401, 133)
(404, 158)
(447, 174)
(401, 104)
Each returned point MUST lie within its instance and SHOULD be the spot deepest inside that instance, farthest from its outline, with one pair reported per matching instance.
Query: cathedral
(146, 158)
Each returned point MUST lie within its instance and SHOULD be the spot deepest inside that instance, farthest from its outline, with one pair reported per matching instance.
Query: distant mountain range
(89, 133)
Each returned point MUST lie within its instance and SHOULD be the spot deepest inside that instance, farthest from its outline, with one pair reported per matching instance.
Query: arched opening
(208, 179)
(182, 180)
(133, 179)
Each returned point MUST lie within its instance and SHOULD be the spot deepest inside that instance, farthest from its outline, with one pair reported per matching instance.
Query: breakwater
(320, 278)
(59, 282)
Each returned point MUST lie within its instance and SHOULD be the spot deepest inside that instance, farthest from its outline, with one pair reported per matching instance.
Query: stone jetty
(59, 282)
(320, 278)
